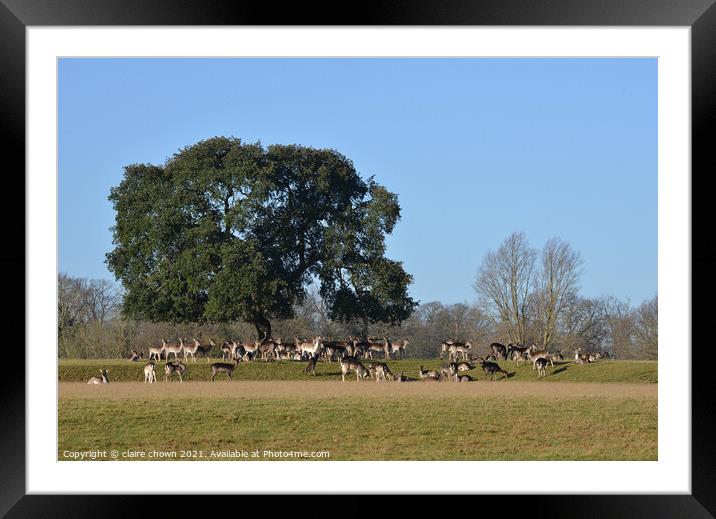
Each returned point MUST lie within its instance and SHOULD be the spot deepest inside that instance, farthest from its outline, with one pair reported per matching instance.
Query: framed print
(316, 255)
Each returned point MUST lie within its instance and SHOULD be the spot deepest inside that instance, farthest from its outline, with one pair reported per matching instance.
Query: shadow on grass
(558, 370)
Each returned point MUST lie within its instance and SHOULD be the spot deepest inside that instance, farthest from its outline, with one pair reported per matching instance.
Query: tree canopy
(227, 230)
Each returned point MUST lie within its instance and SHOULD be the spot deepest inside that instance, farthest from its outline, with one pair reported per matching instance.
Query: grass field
(603, 411)
(125, 371)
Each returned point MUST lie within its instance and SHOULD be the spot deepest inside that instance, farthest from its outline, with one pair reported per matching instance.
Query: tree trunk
(365, 328)
(263, 327)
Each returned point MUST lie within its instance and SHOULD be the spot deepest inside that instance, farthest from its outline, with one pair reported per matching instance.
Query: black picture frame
(699, 15)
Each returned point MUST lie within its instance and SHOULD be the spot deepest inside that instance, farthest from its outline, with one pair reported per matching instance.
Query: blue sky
(474, 148)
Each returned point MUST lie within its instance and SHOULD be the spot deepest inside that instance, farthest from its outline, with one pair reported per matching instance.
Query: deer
(191, 349)
(402, 378)
(465, 366)
(150, 373)
(227, 350)
(174, 348)
(223, 367)
(490, 368)
(400, 348)
(250, 349)
(378, 346)
(337, 348)
(311, 367)
(135, 356)
(381, 371)
(155, 352)
(312, 348)
(463, 378)
(581, 358)
(266, 346)
(206, 349)
(533, 354)
(177, 367)
(103, 379)
(498, 350)
(541, 366)
(512, 348)
(351, 363)
(285, 350)
(558, 356)
(426, 374)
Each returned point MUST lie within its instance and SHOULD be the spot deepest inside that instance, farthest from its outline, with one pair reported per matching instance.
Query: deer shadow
(559, 370)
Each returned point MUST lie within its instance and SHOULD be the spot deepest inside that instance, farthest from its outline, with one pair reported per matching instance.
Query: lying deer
(104, 379)
(428, 374)
(135, 356)
(581, 358)
(403, 378)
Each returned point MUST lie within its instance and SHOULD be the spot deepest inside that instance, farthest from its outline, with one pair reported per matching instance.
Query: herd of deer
(275, 349)
(348, 353)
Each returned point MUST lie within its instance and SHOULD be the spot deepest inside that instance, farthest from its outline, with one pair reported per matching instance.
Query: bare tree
(506, 278)
(582, 324)
(618, 317)
(646, 329)
(103, 299)
(557, 283)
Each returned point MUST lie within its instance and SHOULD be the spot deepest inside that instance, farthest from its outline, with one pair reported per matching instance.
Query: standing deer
(205, 349)
(498, 350)
(173, 347)
(223, 367)
(150, 373)
(541, 364)
(490, 368)
(311, 367)
(400, 348)
(351, 363)
(177, 367)
(534, 354)
(155, 352)
(191, 349)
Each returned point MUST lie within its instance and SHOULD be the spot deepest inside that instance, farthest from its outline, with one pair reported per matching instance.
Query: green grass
(370, 428)
(125, 371)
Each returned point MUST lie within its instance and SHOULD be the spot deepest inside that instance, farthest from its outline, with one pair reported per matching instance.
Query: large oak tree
(227, 230)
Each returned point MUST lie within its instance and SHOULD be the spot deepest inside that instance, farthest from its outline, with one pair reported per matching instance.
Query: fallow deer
(541, 366)
(150, 373)
(177, 367)
(499, 350)
(155, 352)
(351, 363)
(175, 348)
(103, 379)
(533, 354)
(426, 374)
(223, 367)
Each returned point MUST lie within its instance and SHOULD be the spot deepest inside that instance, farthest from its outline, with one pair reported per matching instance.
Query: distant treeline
(90, 325)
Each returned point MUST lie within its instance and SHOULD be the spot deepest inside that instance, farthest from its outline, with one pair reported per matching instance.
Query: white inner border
(672, 473)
